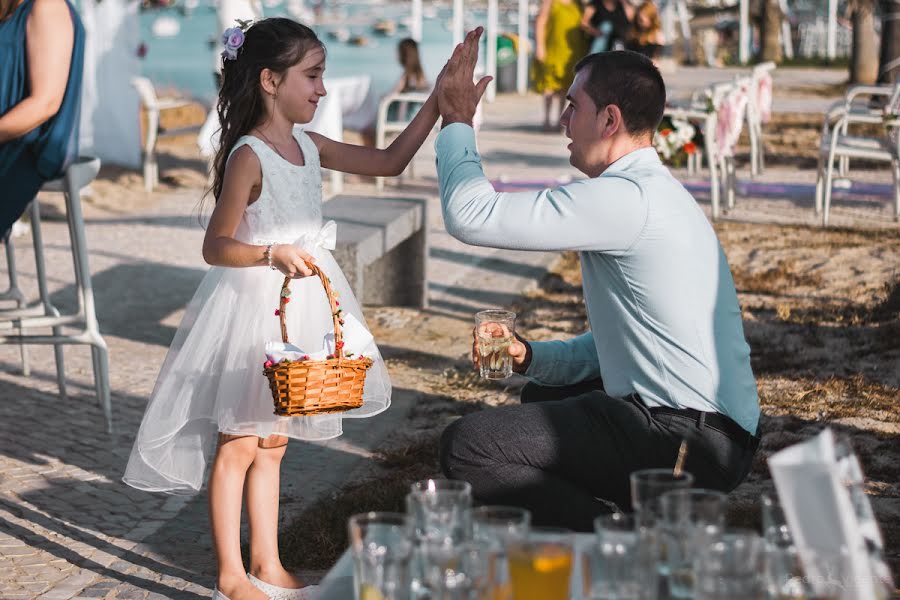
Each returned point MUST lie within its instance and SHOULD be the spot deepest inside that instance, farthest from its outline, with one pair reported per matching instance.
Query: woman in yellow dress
(560, 43)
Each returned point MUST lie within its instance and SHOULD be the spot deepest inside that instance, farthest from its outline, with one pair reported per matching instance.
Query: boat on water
(359, 40)
(165, 27)
(340, 34)
(187, 7)
(299, 11)
(385, 27)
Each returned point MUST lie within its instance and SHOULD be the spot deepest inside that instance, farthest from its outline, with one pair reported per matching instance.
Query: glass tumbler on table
(495, 331)
(499, 526)
(690, 519)
(540, 565)
(381, 549)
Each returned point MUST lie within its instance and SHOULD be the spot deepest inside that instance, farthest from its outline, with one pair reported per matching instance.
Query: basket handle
(282, 305)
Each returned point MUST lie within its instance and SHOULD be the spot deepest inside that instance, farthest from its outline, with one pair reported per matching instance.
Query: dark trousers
(566, 453)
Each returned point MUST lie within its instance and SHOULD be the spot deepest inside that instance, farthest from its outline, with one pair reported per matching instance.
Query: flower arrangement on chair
(676, 140)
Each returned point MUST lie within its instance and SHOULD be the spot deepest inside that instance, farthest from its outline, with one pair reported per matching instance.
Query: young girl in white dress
(211, 396)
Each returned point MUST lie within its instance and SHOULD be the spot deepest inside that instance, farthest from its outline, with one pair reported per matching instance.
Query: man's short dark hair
(630, 81)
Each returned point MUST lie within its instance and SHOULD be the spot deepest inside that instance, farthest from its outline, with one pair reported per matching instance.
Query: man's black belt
(715, 420)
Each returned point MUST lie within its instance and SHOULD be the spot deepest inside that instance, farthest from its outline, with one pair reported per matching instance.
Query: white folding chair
(760, 78)
(44, 315)
(406, 104)
(859, 108)
(703, 111)
(154, 106)
(836, 143)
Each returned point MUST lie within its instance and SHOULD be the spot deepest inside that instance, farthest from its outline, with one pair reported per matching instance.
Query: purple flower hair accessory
(232, 39)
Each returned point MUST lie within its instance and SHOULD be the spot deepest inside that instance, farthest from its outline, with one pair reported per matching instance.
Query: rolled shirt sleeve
(566, 362)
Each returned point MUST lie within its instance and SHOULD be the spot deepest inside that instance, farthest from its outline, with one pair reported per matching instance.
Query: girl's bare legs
(226, 490)
(263, 485)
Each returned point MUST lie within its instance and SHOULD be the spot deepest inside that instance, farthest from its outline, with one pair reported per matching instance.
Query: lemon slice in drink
(368, 592)
(553, 562)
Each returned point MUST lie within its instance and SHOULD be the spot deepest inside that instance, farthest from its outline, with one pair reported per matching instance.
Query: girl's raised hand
(292, 261)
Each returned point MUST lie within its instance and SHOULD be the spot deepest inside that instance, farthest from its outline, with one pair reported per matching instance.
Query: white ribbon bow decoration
(325, 238)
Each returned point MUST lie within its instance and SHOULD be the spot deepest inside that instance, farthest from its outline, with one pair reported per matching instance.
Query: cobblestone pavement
(68, 527)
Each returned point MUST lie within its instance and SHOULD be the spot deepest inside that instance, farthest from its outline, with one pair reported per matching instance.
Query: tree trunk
(864, 52)
(770, 47)
(889, 61)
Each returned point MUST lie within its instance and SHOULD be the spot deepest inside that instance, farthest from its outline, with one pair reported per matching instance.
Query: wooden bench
(382, 247)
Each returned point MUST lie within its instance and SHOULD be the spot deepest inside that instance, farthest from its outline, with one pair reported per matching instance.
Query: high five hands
(457, 94)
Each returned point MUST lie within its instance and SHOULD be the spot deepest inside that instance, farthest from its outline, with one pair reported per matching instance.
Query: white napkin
(357, 340)
(820, 488)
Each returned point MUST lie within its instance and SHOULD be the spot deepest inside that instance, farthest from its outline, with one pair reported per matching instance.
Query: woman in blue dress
(42, 45)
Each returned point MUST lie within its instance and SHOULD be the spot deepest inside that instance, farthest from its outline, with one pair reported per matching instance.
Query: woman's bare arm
(50, 38)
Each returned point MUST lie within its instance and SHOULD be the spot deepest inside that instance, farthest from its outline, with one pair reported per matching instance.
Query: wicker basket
(315, 387)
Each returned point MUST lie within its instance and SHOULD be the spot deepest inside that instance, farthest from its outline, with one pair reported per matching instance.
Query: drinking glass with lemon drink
(495, 331)
(540, 566)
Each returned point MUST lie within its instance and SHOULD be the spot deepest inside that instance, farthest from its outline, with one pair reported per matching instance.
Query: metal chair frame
(43, 314)
(383, 126)
(836, 143)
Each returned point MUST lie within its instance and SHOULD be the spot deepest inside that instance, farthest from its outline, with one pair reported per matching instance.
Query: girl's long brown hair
(276, 44)
(408, 50)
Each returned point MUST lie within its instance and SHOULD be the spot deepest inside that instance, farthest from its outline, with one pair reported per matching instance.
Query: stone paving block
(121, 566)
(38, 573)
(37, 586)
(37, 559)
(69, 588)
(130, 592)
(20, 550)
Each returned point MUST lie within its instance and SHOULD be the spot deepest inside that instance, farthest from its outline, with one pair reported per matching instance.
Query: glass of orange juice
(540, 564)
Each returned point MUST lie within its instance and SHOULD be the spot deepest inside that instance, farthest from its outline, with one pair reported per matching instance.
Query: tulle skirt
(212, 378)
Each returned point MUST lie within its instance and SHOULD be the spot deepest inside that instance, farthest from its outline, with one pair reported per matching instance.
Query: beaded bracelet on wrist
(268, 256)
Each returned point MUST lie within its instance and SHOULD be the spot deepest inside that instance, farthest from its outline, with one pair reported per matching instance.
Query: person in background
(646, 35)
(560, 43)
(411, 80)
(608, 23)
(42, 44)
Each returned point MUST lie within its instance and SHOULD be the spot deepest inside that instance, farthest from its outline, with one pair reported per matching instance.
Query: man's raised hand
(457, 95)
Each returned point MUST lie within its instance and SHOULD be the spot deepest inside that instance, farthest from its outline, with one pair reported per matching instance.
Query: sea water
(184, 62)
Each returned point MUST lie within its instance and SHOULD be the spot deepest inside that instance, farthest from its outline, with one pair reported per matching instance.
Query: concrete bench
(382, 247)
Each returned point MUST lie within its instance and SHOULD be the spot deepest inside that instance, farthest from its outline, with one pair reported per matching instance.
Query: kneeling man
(665, 359)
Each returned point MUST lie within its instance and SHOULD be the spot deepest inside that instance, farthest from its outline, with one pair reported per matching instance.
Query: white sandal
(279, 593)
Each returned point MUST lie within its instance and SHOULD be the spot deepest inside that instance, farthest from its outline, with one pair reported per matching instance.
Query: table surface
(338, 582)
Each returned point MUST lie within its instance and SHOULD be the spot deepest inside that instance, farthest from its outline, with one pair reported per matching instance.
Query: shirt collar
(641, 156)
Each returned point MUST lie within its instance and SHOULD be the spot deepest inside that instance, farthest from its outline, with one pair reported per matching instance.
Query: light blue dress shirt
(661, 303)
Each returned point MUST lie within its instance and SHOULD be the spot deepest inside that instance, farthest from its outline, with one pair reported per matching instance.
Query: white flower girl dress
(212, 378)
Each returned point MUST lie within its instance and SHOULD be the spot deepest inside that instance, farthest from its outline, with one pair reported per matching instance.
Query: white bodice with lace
(290, 201)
